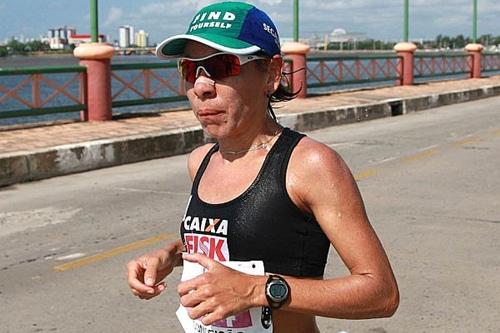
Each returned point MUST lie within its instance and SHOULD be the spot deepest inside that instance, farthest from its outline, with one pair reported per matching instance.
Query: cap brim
(174, 46)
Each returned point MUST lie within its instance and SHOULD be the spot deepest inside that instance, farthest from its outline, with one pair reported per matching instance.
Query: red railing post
(35, 91)
(147, 82)
(475, 52)
(406, 51)
(297, 53)
(97, 58)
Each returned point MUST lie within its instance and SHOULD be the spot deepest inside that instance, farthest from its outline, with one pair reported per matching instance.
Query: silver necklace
(262, 145)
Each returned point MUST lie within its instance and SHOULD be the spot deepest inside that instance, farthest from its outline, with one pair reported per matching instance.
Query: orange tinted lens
(219, 67)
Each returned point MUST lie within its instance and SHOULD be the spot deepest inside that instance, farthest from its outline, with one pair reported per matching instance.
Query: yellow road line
(419, 156)
(468, 141)
(114, 252)
(150, 241)
(366, 174)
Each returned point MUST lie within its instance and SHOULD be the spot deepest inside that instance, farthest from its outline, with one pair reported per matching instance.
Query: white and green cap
(233, 27)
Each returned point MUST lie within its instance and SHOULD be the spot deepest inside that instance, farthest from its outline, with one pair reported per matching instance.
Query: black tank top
(260, 224)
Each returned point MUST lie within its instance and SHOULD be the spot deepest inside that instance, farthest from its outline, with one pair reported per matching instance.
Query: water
(73, 88)
(68, 60)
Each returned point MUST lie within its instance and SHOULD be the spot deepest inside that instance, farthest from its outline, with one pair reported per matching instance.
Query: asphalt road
(431, 185)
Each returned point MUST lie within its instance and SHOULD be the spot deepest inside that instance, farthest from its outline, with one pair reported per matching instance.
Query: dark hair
(283, 93)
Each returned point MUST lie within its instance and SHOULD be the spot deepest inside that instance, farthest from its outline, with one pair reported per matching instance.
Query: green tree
(459, 41)
(37, 46)
(16, 46)
(445, 41)
(3, 51)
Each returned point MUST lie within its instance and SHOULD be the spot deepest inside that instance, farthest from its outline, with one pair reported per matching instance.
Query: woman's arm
(320, 183)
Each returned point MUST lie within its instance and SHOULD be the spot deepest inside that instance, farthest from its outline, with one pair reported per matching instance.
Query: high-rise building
(131, 35)
(142, 38)
(124, 36)
(63, 33)
(59, 38)
(70, 31)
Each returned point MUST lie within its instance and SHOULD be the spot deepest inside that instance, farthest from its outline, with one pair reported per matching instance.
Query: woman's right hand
(146, 273)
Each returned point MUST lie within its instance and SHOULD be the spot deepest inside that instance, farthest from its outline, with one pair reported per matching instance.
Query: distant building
(339, 36)
(342, 36)
(58, 38)
(127, 37)
(84, 38)
(142, 38)
(131, 35)
(124, 36)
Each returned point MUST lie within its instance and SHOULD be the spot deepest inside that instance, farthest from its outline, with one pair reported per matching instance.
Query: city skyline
(161, 18)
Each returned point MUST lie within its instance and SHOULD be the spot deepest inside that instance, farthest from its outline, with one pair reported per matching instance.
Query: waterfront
(68, 60)
(128, 85)
(118, 87)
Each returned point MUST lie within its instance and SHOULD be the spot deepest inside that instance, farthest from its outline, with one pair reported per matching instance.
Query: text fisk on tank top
(260, 224)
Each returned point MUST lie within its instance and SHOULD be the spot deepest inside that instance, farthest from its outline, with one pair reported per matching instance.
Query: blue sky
(161, 18)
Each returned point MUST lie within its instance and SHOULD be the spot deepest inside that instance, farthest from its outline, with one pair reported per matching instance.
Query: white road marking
(71, 256)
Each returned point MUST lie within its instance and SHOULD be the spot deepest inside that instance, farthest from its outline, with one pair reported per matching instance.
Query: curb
(62, 160)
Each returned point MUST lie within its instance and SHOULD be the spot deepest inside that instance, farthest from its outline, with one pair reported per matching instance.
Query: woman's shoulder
(314, 164)
(311, 154)
(196, 158)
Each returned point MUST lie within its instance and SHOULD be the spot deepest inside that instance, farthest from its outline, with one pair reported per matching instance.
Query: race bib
(245, 322)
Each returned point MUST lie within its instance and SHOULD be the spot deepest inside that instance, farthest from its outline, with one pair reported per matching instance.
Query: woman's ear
(274, 78)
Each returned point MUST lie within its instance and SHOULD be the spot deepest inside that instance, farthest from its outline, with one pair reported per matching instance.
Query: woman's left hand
(220, 292)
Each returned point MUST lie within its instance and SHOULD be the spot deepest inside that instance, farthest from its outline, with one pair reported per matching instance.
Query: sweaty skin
(233, 111)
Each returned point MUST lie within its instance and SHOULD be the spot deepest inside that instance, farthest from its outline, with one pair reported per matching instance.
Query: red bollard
(297, 53)
(97, 58)
(475, 52)
(406, 51)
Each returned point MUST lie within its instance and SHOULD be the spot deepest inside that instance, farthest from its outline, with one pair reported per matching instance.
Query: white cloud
(271, 2)
(451, 21)
(154, 8)
(378, 19)
(114, 15)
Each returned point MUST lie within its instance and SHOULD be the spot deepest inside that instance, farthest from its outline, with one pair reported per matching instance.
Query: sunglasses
(217, 66)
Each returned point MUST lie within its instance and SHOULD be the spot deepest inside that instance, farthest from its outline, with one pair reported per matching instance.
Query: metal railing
(335, 70)
(441, 65)
(148, 83)
(46, 90)
(490, 62)
(38, 91)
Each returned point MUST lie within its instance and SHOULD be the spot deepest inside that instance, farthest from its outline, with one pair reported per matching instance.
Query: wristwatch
(277, 291)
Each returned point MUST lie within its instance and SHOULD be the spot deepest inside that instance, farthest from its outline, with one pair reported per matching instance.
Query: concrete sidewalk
(48, 151)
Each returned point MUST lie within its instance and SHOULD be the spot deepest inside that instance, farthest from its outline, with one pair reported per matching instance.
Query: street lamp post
(97, 58)
(474, 22)
(405, 50)
(295, 20)
(406, 20)
(475, 49)
(94, 26)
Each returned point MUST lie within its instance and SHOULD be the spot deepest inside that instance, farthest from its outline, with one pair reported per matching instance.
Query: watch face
(278, 290)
